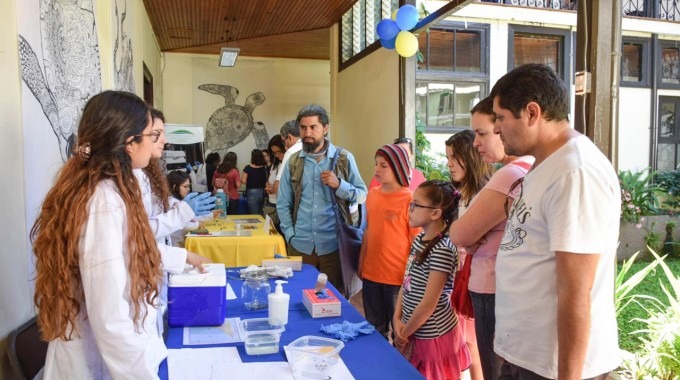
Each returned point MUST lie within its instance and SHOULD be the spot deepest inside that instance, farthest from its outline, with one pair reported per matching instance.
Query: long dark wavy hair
(109, 122)
(477, 172)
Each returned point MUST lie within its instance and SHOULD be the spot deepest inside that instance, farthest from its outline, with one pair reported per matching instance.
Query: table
(367, 356)
(236, 251)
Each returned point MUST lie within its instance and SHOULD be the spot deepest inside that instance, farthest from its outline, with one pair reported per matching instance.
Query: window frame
(483, 29)
(659, 140)
(661, 44)
(459, 77)
(368, 47)
(646, 59)
(564, 60)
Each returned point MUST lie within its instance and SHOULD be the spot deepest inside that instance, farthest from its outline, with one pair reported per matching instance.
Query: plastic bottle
(221, 202)
(278, 303)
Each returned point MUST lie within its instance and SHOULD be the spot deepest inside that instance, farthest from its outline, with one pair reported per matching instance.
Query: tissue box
(321, 307)
(198, 299)
(294, 262)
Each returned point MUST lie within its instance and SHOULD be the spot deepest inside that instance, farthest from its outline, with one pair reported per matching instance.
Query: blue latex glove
(200, 203)
(197, 164)
(189, 168)
(347, 330)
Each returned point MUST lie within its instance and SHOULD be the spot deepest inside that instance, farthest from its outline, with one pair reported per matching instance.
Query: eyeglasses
(155, 135)
(186, 186)
(412, 206)
(508, 199)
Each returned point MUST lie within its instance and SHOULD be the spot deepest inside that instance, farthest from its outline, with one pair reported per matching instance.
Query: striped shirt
(443, 258)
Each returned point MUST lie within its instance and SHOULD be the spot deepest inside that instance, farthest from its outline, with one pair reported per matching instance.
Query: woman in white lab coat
(98, 269)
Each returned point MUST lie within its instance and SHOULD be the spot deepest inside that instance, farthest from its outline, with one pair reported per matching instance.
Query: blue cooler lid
(214, 275)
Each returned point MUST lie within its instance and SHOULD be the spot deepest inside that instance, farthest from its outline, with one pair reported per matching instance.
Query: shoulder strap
(296, 166)
(334, 163)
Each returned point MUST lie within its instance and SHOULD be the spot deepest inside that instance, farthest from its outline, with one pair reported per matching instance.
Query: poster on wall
(123, 60)
(60, 71)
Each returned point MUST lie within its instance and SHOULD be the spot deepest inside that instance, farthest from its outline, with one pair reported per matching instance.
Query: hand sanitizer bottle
(278, 303)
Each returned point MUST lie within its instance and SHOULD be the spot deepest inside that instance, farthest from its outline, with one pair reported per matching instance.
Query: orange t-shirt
(388, 236)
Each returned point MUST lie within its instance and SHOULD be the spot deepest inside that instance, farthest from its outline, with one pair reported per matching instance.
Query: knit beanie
(398, 160)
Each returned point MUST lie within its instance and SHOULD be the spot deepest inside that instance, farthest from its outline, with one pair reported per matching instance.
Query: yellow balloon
(394, 14)
(406, 44)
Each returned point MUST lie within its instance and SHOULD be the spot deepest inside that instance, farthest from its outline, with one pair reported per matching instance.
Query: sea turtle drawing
(67, 74)
(232, 123)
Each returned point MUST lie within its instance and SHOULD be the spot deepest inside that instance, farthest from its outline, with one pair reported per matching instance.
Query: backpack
(296, 165)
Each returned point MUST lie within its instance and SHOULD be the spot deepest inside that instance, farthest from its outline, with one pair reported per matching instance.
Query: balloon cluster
(395, 33)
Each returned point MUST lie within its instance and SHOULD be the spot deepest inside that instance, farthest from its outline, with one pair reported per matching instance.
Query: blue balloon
(387, 29)
(407, 17)
(388, 44)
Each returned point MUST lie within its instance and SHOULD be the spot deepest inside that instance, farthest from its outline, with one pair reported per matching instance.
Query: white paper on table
(229, 332)
(192, 363)
(230, 293)
(252, 371)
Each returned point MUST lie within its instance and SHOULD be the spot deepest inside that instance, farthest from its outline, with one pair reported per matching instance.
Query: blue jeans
(255, 199)
(379, 304)
(485, 327)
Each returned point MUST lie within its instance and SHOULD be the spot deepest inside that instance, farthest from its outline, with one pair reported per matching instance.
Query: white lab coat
(105, 344)
(165, 223)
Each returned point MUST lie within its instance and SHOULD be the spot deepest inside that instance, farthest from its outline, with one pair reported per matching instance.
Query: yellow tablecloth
(237, 251)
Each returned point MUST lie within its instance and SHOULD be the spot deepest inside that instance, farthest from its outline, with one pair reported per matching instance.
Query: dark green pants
(328, 264)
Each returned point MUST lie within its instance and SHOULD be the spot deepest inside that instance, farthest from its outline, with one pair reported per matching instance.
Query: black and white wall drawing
(59, 66)
(123, 61)
(231, 124)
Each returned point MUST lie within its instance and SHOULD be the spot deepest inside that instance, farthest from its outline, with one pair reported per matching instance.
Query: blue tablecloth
(367, 356)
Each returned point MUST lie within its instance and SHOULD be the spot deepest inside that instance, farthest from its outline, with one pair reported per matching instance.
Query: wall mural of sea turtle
(232, 123)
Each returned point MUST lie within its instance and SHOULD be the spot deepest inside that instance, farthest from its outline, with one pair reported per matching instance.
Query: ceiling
(265, 28)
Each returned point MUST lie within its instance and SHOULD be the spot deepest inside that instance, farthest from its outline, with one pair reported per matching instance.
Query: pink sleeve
(503, 179)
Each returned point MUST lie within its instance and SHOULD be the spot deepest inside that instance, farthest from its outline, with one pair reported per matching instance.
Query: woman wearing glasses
(482, 226)
(98, 269)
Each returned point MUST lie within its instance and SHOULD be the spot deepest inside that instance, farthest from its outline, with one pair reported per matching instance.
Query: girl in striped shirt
(425, 326)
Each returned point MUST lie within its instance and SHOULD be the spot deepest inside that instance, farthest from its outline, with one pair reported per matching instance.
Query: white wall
(287, 84)
(634, 128)
(15, 296)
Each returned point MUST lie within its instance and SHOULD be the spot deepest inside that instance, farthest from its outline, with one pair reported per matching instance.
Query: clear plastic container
(262, 335)
(313, 357)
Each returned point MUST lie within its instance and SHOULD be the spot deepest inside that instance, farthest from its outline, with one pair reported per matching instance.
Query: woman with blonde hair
(98, 269)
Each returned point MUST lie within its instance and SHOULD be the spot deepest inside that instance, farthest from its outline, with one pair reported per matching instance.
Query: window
(635, 62)
(451, 50)
(357, 27)
(668, 147)
(445, 106)
(669, 61)
(540, 45)
(452, 75)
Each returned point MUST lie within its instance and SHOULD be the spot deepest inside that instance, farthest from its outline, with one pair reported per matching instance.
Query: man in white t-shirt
(290, 133)
(555, 315)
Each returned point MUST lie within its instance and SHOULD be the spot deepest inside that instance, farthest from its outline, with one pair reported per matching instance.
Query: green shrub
(668, 183)
(638, 196)
(431, 166)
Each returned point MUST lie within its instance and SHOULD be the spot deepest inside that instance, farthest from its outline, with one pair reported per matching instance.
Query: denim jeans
(255, 199)
(485, 327)
(379, 304)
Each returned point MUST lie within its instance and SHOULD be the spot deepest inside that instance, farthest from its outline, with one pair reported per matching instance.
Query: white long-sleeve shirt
(106, 345)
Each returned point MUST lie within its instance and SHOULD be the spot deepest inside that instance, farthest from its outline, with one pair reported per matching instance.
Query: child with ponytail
(425, 325)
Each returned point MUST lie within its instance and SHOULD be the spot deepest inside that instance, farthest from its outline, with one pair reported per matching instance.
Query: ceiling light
(228, 56)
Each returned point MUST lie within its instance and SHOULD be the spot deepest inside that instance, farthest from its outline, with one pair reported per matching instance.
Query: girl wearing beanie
(382, 264)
